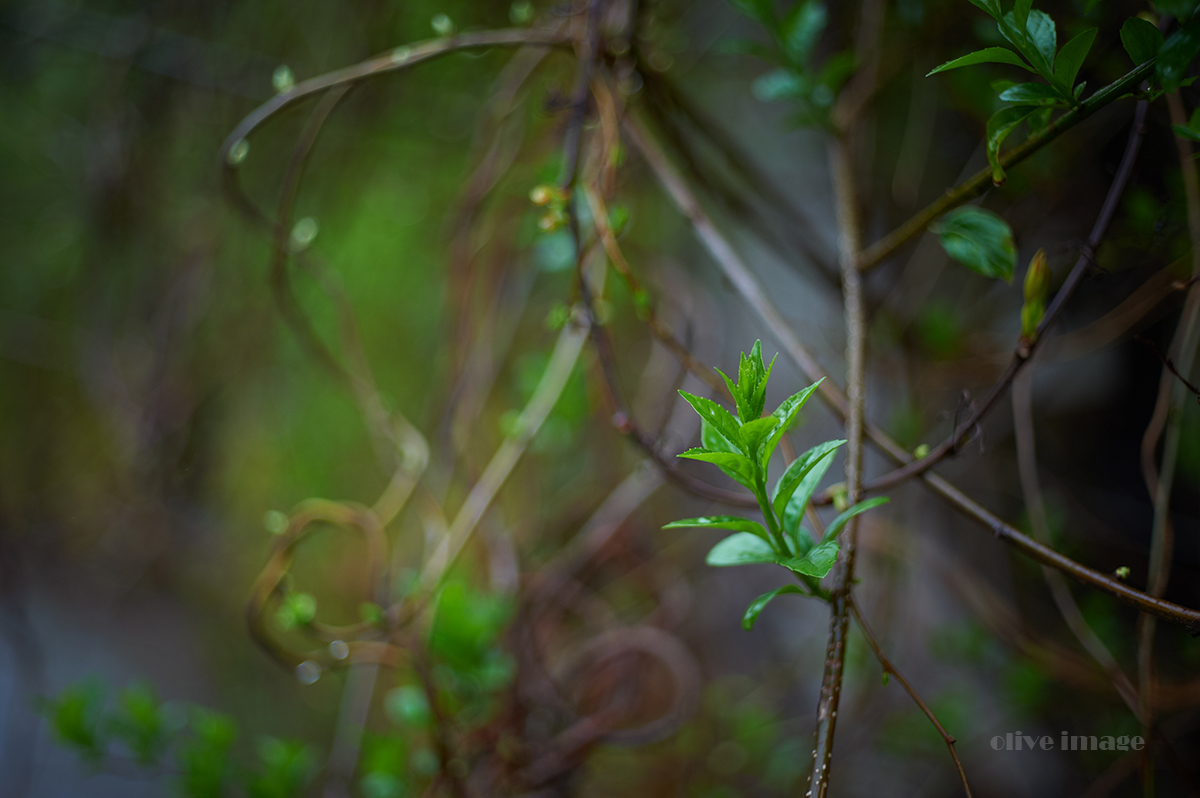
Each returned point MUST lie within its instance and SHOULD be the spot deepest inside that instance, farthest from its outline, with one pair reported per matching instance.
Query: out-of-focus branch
(394, 61)
(1036, 508)
(1167, 422)
(889, 668)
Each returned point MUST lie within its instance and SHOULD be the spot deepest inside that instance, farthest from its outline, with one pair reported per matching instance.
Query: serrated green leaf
(731, 522)
(755, 434)
(979, 240)
(800, 28)
(999, 126)
(715, 441)
(786, 413)
(800, 468)
(839, 523)
(1071, 57)
(1176, 55)
(737, 466)
(756, 607)
(817, 563)
(1141, 39)
(741, 548)
(988, 55)
(804, 491)
(1030, 94)
(720, 418)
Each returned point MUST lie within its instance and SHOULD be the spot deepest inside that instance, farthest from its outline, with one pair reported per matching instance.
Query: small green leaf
(1140, 39)
(742, 548)
(731, 522)
(721, 419)
(1071, 57)
(800, 28)
(800, 468)
(737, 466)
(1002, 123)
(756, 607)
(755, 434)
(786, 413)
(839, 523)
(988, 55)
(1176, 55)
(818, 562)
(715, 441)
(804, 491)
(980, 240)
(1030, 94)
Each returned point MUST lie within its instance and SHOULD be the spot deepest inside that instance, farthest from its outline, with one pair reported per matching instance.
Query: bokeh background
(155, 409)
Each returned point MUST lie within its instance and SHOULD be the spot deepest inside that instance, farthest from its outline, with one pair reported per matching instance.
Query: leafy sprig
(1034, 36)
(812, 88)
(741, 445)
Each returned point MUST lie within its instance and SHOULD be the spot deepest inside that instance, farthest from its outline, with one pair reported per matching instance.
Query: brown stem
(889, 668)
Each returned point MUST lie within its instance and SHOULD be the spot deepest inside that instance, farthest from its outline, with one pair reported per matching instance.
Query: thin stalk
(1169, 409)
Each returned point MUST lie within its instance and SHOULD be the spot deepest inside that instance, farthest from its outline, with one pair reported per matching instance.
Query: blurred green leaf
(800, 28)
(1176, 55)
(980, 240)
(285, 768)
(139, 723)
(408, 706)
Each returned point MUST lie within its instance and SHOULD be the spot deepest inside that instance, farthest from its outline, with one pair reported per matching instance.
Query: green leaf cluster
(83, 719)
(742, 446)
(1034, 37)
(812, 88)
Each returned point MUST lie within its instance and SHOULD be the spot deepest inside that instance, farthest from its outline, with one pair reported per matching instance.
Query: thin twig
(889, 668)
(1036, 509)
(850, 241)
(1167, 423)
